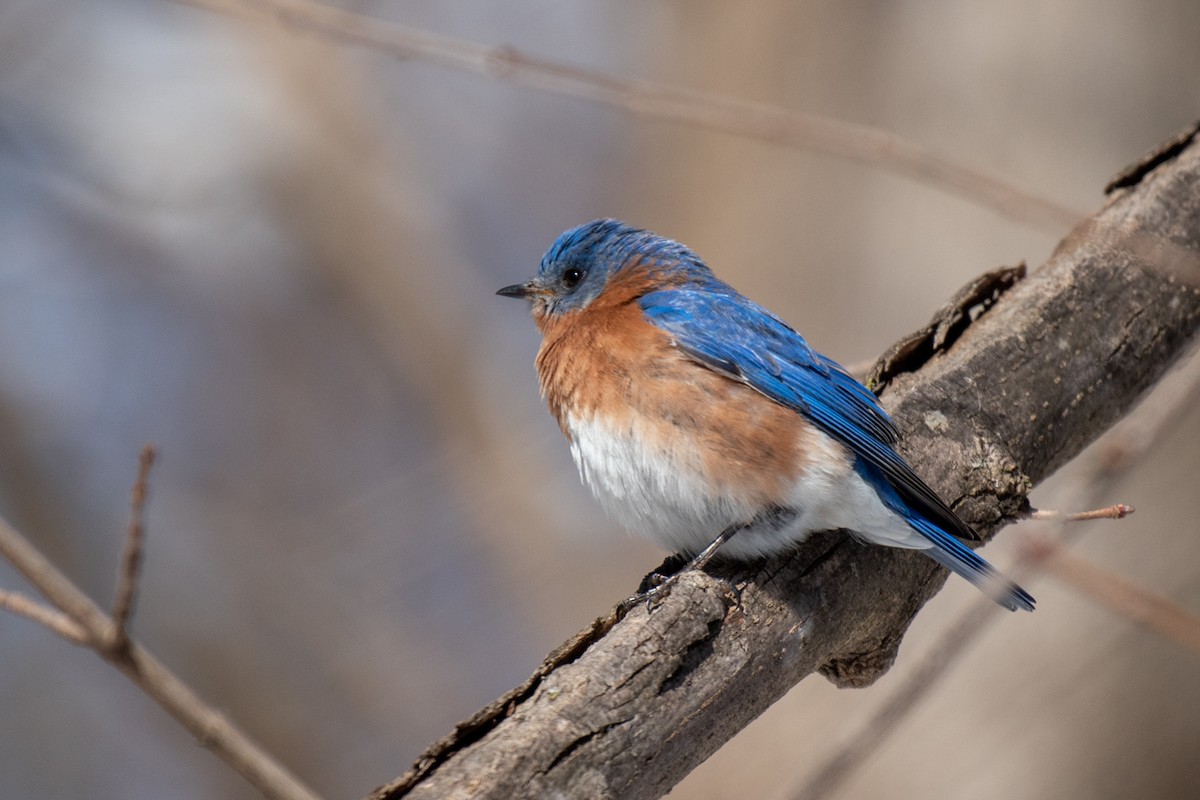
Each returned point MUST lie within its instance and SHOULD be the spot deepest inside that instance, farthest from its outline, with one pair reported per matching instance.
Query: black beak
(516, 290)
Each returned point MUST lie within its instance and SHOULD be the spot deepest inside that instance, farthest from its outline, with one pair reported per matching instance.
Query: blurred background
(275, 257)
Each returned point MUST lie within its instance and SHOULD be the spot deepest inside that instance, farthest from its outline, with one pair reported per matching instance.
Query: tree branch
(80, 621)
(56, 622)
(1113, 591)
(629, 707)
(131, 555)
(652, 100)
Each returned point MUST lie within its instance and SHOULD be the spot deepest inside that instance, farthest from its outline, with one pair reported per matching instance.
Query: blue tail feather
(919, 509)
(962, 560)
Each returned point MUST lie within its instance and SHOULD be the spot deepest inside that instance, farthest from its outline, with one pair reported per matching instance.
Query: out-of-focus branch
(131, 556)
(664, 102)
(978, 618)
(56, 621)
(1113, 591)
(986, 412)
(78, 620)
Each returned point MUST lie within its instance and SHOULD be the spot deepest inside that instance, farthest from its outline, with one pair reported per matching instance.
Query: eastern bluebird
(692, 411)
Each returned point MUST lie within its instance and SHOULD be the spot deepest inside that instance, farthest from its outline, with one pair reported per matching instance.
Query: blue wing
(740, 339)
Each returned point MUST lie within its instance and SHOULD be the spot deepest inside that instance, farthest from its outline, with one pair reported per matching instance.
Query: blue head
(584, 260)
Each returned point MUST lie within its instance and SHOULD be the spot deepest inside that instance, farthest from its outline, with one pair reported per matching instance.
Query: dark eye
(572, 277)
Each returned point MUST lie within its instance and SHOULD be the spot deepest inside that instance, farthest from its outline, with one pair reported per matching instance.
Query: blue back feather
(735, 336)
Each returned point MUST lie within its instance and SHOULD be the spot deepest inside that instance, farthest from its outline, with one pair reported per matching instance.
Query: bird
(704, 422)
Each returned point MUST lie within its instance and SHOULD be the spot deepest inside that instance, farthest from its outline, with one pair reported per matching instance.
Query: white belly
(657, 486)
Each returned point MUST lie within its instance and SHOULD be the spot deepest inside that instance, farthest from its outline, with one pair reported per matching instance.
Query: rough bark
(1010, 381)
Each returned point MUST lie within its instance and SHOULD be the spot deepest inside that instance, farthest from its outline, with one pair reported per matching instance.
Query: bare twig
(1116, 511)
(56, 621)
(1113, 591)
(79, 620)
(664, 102)
(131, 556)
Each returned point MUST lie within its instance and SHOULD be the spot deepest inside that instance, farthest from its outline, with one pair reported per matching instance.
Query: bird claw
(653, 589)
(652, 581)
(660, 586)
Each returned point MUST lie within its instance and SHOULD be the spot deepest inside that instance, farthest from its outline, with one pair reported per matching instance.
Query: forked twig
(78, 620)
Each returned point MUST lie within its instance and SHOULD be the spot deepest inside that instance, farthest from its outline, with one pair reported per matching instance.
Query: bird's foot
(655, 587)
(653, 590)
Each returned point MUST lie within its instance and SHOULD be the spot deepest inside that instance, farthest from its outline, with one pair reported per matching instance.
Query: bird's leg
(701, 559)
(657, 586)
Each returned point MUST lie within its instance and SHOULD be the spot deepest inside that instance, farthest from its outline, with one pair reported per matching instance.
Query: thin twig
(1116, 511)
(56, 621)
(1113, 591)
(131, 556)
(664, 102)
(95, 628)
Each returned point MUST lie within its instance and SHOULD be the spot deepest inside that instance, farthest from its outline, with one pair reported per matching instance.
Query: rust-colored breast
(608, 362)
